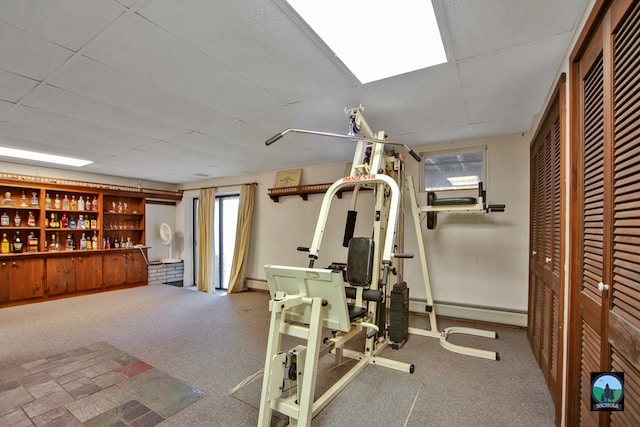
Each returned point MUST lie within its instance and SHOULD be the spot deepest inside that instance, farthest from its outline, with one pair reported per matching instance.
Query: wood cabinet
(124, 268)
(89, 273)
(123, 220)
(21, 279)
(75, 273)
(54, 214)
(61, 275)
(52, 211)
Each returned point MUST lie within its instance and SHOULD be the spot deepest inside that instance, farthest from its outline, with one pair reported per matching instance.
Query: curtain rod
(220, 186)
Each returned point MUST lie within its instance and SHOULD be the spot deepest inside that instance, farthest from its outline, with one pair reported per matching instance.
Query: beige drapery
(243, 235)
(205, 238)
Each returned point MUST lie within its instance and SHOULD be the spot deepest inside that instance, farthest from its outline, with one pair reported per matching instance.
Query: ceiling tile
(505, 126)
(31, 138)
(69, 23)
(5, 106)
(144, 50)
(56, 123)
(27, 55)
(13, 87)
(511, 81)
(100, 82)
(478, 27)
(58, 101)
(284, 61)
(422, 100)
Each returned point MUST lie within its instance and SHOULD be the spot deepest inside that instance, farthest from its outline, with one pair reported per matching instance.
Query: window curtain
(205, 239)
(243, 234)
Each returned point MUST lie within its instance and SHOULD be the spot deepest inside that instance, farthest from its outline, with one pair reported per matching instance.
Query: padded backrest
(360, 261)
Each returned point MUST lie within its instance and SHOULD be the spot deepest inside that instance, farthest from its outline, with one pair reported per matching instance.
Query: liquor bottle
(108, 244)
(53, 246)
(17, 243)
(23, 200)
(31, 220)
(64, 222)
(87, 203)
(80, 221)
(56, 202)
(17, 220)
(87, 223)
(4, 219)
(115, 243)
(89, 243)
(74, 203)
(69, 244)
(4, 248)
(65, 203)
(32, 243)
(80, 204)
(120, 206)
(34, 200)
(83, 242)
(52, 222)
(94, 240)
(72, 222)
(94, 223)
(47, 202)
(94, 204)
(57, 242)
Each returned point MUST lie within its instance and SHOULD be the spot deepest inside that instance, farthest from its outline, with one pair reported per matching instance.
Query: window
(224, 230)
(455, 169)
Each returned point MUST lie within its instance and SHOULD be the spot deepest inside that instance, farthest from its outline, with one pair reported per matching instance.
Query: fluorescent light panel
(458, 181)
(376, 39)
(42, 157)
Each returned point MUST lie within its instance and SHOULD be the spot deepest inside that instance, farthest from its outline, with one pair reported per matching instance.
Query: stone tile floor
(97, 386)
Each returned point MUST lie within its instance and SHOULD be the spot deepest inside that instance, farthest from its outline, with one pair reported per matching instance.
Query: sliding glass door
(224, 226)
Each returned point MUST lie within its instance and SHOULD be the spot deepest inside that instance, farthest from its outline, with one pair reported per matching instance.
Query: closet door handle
(602, 287)
(547, 260)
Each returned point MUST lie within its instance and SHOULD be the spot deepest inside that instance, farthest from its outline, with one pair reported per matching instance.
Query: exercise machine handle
(402, 255)
(413, 154)
(273, 139)
(302, 249)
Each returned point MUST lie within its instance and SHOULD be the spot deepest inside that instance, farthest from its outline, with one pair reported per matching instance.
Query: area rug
(96, 385)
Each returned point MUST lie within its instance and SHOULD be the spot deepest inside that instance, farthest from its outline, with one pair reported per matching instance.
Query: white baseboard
(447, 309)
(259, 284)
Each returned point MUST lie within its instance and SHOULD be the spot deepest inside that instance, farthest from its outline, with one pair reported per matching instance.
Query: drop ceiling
(174, 91)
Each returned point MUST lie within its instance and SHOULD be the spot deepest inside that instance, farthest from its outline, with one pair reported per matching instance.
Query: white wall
(155, 215)
(477, 259)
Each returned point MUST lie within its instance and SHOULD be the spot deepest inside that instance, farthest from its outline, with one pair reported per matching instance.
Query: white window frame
(459, 151)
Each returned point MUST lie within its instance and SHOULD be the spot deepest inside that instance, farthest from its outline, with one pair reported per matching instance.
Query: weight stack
(399, 322)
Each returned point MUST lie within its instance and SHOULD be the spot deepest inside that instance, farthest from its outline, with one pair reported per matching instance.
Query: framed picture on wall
(288, 178)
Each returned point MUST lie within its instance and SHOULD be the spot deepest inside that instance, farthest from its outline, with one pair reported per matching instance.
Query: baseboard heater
(503, 316)
(498, 315)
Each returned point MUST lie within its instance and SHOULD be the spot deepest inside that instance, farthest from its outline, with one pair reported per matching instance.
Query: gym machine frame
(368, 169)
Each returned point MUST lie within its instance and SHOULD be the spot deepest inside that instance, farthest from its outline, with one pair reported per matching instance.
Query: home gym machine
(304, 300)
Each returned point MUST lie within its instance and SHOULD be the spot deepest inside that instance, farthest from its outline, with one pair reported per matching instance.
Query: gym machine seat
(359, 276)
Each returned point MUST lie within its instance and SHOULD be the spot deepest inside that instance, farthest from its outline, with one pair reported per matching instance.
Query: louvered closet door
(608, 235)
(592, 269)
(624, 308)
(545, 297)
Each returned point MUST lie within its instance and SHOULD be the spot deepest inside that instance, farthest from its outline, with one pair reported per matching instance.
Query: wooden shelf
(304, 190)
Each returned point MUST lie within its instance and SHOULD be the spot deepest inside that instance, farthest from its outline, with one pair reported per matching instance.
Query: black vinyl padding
(454, 201)
(360, 261)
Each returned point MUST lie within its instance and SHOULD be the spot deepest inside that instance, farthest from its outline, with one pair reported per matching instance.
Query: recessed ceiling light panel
(42, 157)
(376, 39)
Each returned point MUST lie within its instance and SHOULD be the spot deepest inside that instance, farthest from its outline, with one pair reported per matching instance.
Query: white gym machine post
(304, 300)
